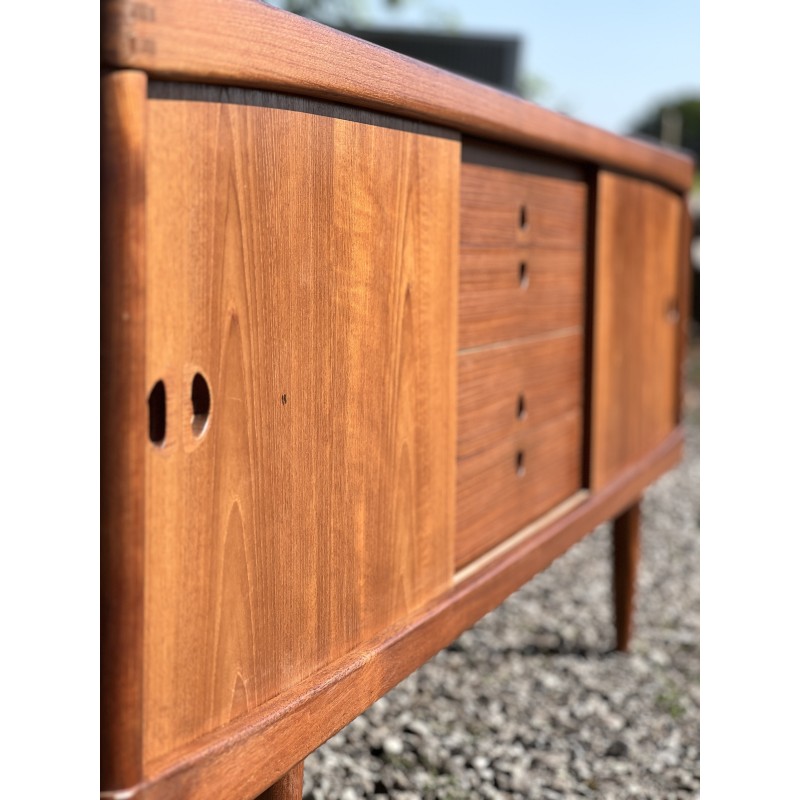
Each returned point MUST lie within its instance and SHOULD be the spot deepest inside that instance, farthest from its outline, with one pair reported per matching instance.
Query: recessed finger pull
(523, 275)
(201, 404)
(520, 463)
(157, 410)
(522, 411)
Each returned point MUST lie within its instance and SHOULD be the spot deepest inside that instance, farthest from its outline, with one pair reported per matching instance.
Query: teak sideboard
(378, 344)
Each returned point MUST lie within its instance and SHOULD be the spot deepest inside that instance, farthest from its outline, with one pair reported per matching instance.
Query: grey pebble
(392, 745)
(617, 749)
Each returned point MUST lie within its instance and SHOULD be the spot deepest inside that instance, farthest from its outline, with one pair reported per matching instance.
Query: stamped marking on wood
(143, 12)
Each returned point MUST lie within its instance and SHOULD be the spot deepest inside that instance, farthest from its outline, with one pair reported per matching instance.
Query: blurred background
(629, 67)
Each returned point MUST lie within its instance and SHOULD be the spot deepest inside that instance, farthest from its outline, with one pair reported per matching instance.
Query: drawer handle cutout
(157, 409)
(201, 404)
(523, 217)
(520, 463)
(522, 412)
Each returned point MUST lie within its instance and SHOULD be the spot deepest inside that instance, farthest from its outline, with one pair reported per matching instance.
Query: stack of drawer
(521, 345)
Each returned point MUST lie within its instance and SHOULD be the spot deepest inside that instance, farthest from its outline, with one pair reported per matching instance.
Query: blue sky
(602, 62)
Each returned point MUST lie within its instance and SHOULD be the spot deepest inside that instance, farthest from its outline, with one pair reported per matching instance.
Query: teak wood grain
(518, 477)
(248, 43)
(123, 424)
(519, 385)
(627, 545)
(505, 208)
(348, 285)
(637, 312)
(289, 787)
(514, 293)
(259, 748)
(305, 265)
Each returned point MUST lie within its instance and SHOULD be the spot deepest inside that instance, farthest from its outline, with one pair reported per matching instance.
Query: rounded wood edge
(259, 46)
(232, 761)
(123, 424)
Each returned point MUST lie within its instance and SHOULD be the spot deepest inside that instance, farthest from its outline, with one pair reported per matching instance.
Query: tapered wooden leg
(289, 787)
(626, 561)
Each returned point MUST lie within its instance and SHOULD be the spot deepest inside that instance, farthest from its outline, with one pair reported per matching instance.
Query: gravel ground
(532, 702)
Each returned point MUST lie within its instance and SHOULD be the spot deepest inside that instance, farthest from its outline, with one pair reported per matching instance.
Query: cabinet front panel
(300, 491)
(636, 322)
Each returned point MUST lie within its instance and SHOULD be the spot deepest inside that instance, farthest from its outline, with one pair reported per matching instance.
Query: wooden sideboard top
(250, 44)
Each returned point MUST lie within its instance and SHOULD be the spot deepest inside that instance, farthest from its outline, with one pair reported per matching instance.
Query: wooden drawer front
(519, 386)
(522, 295)
(509, 484)
(504, 208)
(509, 293)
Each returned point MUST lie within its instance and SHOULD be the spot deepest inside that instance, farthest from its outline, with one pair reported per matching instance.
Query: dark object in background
(675, 123)
(696, 276)
(492, 60)
(694, 212)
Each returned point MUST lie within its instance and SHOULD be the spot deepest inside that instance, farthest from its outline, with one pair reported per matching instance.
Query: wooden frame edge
(684, 305)
(256, 45)
(517, 539)
(123, 423)
(254, 751)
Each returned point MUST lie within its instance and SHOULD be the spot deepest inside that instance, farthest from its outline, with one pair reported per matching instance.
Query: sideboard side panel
(637, 309)
(306, 265)
(123, 424)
